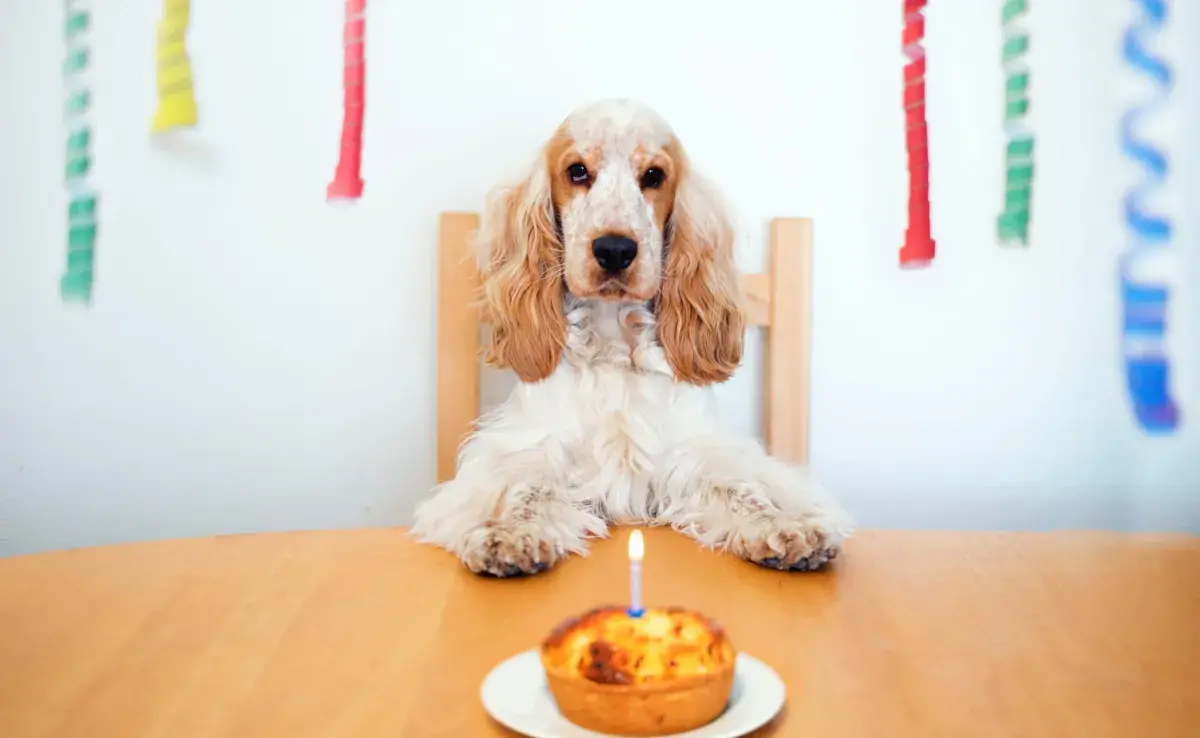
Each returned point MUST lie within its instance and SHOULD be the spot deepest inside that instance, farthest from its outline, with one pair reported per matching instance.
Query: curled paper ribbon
(1013, 223)
(176, 100)
(918, 249)
(1144, 304)
(347, 182)
(76, 281)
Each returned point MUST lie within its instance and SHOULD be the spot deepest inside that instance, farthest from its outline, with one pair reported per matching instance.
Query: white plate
(515, 693)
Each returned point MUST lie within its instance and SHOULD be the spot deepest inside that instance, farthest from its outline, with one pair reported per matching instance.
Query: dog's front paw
(509, 550)
(805, 544)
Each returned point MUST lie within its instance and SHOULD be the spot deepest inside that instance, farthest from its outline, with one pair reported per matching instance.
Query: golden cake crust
(607, 646)
(668, 671)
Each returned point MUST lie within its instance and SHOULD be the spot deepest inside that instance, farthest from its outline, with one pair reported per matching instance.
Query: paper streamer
(1144, 304)
(75, 284)
(347, 182)
(918, 249)
(1013, 224)
(176, 99)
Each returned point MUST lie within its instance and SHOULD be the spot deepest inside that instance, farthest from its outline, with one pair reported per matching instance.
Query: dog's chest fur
(613, 407)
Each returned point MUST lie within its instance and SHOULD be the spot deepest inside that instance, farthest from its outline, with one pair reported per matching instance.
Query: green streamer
(1013, 223)
(76, 282)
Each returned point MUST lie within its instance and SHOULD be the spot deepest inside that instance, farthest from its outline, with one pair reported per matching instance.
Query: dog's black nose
(614, 253)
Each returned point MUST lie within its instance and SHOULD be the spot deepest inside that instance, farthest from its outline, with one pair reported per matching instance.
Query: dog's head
(611, 210)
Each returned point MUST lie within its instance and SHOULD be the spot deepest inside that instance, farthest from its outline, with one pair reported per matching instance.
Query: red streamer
(918, 249)
(347, 182)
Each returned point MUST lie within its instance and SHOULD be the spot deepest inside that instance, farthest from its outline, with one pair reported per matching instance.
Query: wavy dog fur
(614, 420)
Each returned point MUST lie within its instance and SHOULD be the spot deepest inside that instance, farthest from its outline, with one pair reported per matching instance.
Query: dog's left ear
(700, 320)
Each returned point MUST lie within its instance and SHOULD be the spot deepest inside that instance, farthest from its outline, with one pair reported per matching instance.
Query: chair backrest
(778, 300)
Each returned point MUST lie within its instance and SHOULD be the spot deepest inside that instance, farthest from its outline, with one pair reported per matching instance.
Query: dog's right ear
(520, 261)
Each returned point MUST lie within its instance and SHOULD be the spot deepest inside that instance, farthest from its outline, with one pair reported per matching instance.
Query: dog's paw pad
(506, 572)
(771, 563)
(808, 563)
(496, 570)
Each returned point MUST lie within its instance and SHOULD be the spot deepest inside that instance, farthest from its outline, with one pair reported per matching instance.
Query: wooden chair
(778, 300)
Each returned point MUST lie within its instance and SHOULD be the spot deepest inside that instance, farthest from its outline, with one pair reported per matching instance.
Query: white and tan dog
(610, 285)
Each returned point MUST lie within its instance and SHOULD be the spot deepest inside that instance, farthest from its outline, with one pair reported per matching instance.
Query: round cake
(668, 671)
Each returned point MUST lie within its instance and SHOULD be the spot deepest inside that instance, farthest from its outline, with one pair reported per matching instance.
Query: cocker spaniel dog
(609, 282)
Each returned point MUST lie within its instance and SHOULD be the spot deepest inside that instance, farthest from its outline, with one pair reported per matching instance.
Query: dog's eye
(653, 178)
(578, 174)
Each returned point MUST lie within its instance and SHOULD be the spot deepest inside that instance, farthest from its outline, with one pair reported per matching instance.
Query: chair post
(458, 369)
(789, 339)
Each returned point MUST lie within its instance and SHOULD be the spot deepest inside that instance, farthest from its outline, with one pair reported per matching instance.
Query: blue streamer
(1144, 304)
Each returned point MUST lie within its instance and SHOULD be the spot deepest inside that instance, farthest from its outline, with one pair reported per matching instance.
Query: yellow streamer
(176, 101)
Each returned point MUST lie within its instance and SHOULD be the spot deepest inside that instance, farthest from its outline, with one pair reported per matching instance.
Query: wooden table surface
(367, 634)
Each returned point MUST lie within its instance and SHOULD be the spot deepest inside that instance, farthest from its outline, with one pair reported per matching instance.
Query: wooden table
(368, 634)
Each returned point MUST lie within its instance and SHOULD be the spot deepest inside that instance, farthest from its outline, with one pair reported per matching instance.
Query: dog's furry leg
(506, 514)
(729, 494)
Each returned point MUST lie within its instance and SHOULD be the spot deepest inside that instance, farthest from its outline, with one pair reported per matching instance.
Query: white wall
(256, 359)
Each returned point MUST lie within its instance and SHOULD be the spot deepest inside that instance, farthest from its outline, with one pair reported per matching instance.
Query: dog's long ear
(520, 261)
(700, 318)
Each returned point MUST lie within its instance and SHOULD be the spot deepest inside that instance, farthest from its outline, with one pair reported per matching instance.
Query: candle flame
(636, 546)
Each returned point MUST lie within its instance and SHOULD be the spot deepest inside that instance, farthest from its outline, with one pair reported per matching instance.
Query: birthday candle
(347, 183)
(636, 551)
(176, 100)
(1013, 223)
(76, 281)
(918, 249)
(1144, 304)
